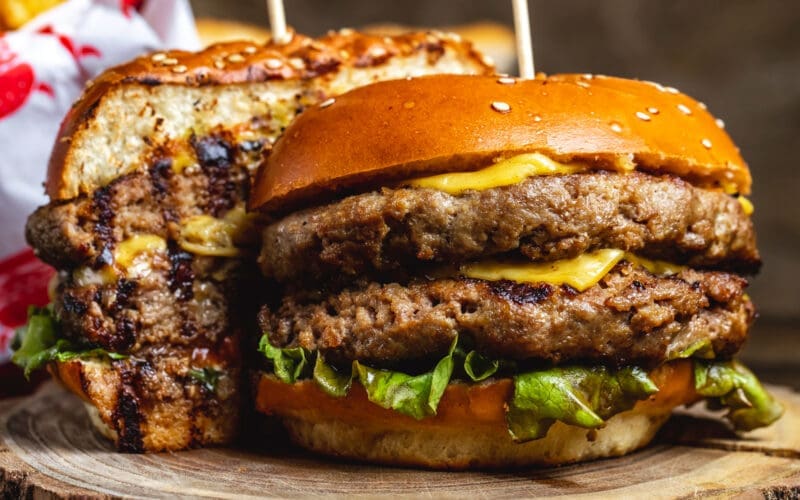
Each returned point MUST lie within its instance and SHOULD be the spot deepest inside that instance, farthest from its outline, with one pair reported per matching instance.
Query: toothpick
(277, 21)
(522, 26)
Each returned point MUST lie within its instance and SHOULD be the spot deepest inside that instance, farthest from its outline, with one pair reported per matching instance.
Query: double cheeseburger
(481, 271)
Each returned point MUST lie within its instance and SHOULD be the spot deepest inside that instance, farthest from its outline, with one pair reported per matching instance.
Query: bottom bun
(145, 422)
(469, 430)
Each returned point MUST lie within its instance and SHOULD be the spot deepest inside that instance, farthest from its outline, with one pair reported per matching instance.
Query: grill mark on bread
(127, 414)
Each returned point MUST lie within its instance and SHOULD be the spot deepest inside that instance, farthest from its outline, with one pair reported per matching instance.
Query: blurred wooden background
(740, 57)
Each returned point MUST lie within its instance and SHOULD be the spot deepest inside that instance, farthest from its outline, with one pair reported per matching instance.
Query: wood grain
(50, 449)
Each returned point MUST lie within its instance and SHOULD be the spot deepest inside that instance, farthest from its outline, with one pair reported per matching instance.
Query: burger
(146, 223)
(480, 271)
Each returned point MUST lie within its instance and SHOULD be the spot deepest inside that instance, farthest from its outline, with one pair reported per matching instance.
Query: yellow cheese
(659, 267)
(747, 205)
(206, 235)
(127, 251)
(581, 273)
(503, 173)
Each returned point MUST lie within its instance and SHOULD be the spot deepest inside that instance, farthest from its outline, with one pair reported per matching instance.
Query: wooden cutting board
(48, 448)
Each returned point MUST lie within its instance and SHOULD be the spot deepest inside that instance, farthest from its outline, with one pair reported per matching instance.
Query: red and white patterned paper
(43, 69)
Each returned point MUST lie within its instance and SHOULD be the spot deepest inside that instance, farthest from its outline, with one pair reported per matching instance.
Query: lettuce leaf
(289, 363)
(207, 376)
(732, 385)
(576, 395)
(330, 380)
(478, 367)
(584, 396)
(416, 396)
(39, 343)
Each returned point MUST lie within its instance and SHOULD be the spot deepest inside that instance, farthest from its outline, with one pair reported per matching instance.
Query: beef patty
(629, 317)
(544, 218)
(153, 201)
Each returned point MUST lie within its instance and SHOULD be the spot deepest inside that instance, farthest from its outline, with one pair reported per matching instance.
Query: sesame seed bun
(400, 129)
(132, 111)
(469, 429)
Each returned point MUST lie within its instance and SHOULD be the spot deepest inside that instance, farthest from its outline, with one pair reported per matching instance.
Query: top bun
(132, 113)
(402, 129)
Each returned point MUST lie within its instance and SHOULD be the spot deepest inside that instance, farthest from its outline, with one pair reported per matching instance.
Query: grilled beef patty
(544, 218)
(153, 201)
(630, 316)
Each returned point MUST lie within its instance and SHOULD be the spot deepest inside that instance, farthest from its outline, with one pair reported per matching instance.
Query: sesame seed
(706, 143)
(701, 105)
(671, 90)
(346, 31)
(501, 107)
(454, 37)
(170, 61)
(297, 63)
(317, 46)
(157, 57)
(583, 84)
(377, 52)
(587, 76)
(273, 63)
(327, 102)
(219, 64)
(487, 60)
(250, 50)
(684, 109)
(537, 118)
(179, 69)
(616, 127)
(344, 54)
(388, 40)
(236, 58)
(408, 104)
(643, 116)
(652, 110)
(720, 123)
(506, 80)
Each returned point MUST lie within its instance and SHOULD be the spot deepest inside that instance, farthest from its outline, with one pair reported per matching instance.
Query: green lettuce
(207, 376)
(576, 395)
(413, 395)
(733, 386)
(39, 343)
(330, 380)
(289, 363)
(584, 396)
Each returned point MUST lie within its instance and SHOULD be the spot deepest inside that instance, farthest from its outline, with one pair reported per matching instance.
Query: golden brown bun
(496, 40)
(164, 425)
(401, 129)
(133, 111)
(222, 30)
(469, 429)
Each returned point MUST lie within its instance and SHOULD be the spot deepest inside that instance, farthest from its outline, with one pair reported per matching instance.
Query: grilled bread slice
(147, 227)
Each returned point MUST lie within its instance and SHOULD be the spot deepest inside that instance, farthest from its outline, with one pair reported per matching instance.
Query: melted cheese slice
(581, 273)
(206, 235)
(503, 173)
(746, 204)
(129, 250)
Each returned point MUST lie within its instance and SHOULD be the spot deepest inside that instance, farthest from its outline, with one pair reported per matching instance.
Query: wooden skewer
(277, 21)
(522, 27)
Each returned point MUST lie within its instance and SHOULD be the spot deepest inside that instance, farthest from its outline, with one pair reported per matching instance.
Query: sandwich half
(487, 272)
(146, 225)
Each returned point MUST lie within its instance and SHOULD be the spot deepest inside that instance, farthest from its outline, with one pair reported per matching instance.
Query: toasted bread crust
(169, 411)
(469, 429)
(397, 130)
(246, 65)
